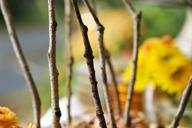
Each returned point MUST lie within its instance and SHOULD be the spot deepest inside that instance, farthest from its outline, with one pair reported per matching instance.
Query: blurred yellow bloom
(122, 33)
(31, 125)
(8, 118)
(161, 63)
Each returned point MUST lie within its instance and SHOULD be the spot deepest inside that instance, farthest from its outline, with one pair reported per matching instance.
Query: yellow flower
(161, 63)
(8, 118)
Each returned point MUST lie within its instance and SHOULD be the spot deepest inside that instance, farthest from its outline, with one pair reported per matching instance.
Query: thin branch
(68, 28)
(90, 64)
(93, 5)
(136, 17)
(114, 80)
(53, 72)
(36, 102)
(101, 46)
(130, 8)
(93, 10)
(183, 104)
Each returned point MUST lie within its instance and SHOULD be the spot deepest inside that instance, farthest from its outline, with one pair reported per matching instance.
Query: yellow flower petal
(161, 63)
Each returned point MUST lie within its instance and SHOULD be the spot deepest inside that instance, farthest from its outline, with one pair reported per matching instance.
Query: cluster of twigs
(88, 54)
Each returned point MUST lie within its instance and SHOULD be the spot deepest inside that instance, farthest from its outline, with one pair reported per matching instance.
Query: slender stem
(68, 27)
(136, 18)
(36, 102)
(101, 46)
(183, 104)
(109, 63)
(90, 64)
(93, 5)
(114, 80)
(53, 72)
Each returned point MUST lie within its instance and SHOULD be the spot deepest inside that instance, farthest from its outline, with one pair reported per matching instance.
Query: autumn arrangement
(133, 79)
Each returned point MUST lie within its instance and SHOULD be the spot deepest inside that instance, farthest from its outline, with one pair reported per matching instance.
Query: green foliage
(32, 11)
(159, 21)
(23, 11)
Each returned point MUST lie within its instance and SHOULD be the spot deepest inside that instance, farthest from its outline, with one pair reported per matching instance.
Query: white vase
(184, 39)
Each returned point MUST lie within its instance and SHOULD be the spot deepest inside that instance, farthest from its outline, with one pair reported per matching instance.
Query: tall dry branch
(183, 104)
(90, 64)
(70, 58)
(136, 19)
(102, 56)
(36, 102)
(53, 72)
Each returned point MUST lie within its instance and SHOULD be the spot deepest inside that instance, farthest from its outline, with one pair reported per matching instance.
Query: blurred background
(31, 21)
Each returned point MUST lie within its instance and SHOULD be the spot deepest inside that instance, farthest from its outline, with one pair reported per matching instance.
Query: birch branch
(182, 106)
(68, 28)
(90, 64)
(101, 47)
(36, 102)
(136, 18)
(53, 72)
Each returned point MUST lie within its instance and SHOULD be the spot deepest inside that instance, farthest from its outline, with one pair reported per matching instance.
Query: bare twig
(182, 105)
(68, 28)
(136, 17)
(110, 65)
(114, 80)
(93, 5)
(53, 72)
(101, 46)
(36, 102)
(89, 58)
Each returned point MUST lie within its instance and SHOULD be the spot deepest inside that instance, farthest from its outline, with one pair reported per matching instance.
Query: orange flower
(8, 118)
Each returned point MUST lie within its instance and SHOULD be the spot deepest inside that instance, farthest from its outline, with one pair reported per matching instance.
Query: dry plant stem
(183, 104)
(136, 17)
(110, 65)
(100, 29)
(22, 61)
(93, 5)
(90, 64)
(53, 72)
(68, 27)
(114, 80)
